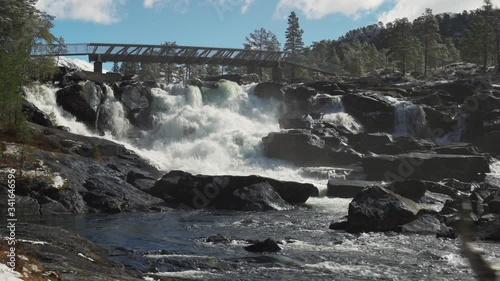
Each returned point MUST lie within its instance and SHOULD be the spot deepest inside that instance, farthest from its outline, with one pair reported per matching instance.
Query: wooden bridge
(104, 52)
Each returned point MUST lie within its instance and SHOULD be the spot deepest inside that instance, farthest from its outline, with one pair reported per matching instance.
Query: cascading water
(209, 131)
(409, 120)
(334, 113)
(44, 98)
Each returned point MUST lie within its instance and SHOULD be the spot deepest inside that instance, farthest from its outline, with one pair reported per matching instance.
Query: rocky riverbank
(412, 153)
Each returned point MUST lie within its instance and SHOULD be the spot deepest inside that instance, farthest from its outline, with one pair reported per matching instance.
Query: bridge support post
(98, 66)
(277, 74)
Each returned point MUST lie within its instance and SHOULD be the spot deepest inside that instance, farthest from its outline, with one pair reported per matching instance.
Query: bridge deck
(108, 52)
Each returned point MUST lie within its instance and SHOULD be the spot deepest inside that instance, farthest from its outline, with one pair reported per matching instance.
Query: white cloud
(98, 11)
(317, 9)
(246, 5)
(412, 9)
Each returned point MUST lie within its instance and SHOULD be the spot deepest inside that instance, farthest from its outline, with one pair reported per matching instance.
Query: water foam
(206, 131)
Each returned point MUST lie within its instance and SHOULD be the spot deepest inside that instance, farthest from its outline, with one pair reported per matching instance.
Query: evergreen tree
(477, 44)
(23, 30)
(262, 40)
(402, 42)
(294, 43)
(427, 30)
(116, 67)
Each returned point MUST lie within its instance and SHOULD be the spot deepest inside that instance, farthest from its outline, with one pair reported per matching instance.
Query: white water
(214, 131)
(409, 120)
(334, 113)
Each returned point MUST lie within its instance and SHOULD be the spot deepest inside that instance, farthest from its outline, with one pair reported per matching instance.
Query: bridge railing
(183, 55)
(61, 50)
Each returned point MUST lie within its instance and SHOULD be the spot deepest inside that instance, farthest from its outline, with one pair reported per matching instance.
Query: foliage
(23, 29)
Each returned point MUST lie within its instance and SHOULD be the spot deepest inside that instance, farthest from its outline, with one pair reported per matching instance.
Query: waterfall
(333, 112)
(207, 131)
(409, 120)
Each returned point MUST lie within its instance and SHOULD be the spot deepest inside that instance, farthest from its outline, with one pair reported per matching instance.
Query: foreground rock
(67, 255)
(378, 209)
(82, 100)
(79, 174)
(349, 188)
(305, 148)
(256, 197)
(199, 191)
(267, 246)
(426, 166)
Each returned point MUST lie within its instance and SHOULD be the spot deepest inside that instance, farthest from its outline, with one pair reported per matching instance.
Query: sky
(225, 23)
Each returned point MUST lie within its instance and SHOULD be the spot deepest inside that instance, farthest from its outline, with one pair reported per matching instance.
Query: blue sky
(225, 23)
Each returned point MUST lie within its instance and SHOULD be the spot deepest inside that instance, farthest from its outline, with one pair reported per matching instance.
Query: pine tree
(23, 29)
(427, 30)
(262, 40)
(294, 43)
(402, 42)
(477, 44)
(116, 67)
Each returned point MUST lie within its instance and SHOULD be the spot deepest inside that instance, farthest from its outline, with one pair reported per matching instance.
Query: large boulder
(82, 100)
(137, 100)
(269, 90)
(456, 91)
(257, 197)
(297, 146)
(378, 209)
(35, 115)
(426, 166)
(348, 188)
(303, 148)
(199, 191)
(356, 103)
(327, 87)
(416, 189)
(489, 142)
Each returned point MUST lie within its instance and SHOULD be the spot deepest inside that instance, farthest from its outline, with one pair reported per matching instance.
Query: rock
(488, 142)
(35, 115)
(416, 189)
(25, 205)
(63, 253)
(303, 148)
(456, 91)
(250, 78)
(230, 77)
(82, 100)
(291, 121)
(269, 90)
(327, 87)
(440, 122)
(488, 227)
(426, 223)
(206, 191)
(371, 142)
(426, 166)
(297, 146)
(267, 246)
(348, 188)
(378, 209)
(342, 225)
(256, 197)
(218, 239)
(356, 103)
(137, 101)
(458, 149)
